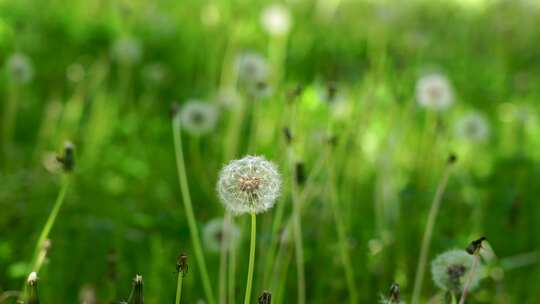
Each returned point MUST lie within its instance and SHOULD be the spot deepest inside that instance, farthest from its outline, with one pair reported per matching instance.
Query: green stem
(424, 251)
(297, 230)
(44, 235)
(179, 287)
(251, 258)
(469, 278)
(342, 241)
(186, 199)
(223, 260)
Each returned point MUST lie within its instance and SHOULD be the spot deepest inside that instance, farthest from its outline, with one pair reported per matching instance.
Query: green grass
(373, 157)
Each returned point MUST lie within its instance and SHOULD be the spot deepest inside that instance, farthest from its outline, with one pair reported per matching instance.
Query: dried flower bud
(300, 173)
(288, 135)
(68, 158)
(136, 296)
(182, 264)
(32, 290)
(265, 298)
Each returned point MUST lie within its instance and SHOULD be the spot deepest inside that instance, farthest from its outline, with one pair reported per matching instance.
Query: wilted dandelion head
(451, 269)
(197, 117)
(249, 185)
(276, 19)
(433, 91)
(127, 50)
(217, 231)
(19, 68)
(472, 127)
(251, 68)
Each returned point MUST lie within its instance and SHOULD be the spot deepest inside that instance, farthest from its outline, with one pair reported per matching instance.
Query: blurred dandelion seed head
(127, 50)
(276, 20)
(20, 69)
(251, 68)
(198, 117)
(228, 98)
(217, 231)
(434, 92)
(451, 269)
(473, 127)
(249, 185)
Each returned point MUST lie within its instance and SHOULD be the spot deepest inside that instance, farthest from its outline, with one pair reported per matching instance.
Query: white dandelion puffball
(228, 98)
(276, 20)
(252, 68)
(450, 270)
(433, 91)
(249, 185)
(127, 50)
(215, 232)
(473, 127)
(20, 68)
(198, 117)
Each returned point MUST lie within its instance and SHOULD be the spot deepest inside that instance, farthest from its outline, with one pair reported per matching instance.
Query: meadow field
(294, 151)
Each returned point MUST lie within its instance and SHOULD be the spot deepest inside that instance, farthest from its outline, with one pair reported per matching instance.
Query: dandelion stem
(251, 258)
(179, 287)
(299, 250)
(186, 199)
(44, 235)
(426, 240)
(469, 278)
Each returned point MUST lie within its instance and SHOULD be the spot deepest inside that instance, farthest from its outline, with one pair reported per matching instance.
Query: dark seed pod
(452, 158)
(394, 293)
(265, 298)
(287, 134)
(475, 246)
(300, 173)
(182, 264)
(68, 159)
(136, 296)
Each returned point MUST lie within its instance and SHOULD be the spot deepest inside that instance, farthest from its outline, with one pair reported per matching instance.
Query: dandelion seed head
(127, 50)
(252, 68)
(451, 269)
(198, 117)
(228, 98)
(20, 68)
(249, 185)
(215, 232)
(276, 20)
(434, 92)
(473, 127)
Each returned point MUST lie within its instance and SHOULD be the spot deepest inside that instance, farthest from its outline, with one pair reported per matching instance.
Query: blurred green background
(103, 74)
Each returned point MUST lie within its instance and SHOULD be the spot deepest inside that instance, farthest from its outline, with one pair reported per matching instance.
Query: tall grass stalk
(223, 258)
(426, 240)
(186, 199)
(253, 242)
(179, 287)
(297, 231)
(342, 239)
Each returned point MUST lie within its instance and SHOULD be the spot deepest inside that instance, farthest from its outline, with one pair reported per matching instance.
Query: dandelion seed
(451, 269)
(215, 232)
(197, 117)
(434, 92)
(472, 127)
(19, 68)
(127, 50)
(276, 20)
(249, 185)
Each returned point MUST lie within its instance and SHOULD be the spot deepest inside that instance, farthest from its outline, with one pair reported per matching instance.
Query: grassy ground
(343, 82)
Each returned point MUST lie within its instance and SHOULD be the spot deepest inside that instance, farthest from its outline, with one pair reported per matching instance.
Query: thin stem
(424, 251)
(223, 260)
(297, 231)
(179, 287)
(469, 278)
(251, 258)
(232, 273)
(186, 199)
(38, 257)
(342, 241)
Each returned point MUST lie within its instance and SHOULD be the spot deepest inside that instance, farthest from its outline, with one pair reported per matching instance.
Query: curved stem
(469, 278)
(251, 258)
(426, 240)
(179, 287)
(38, 257)
(186, 199)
